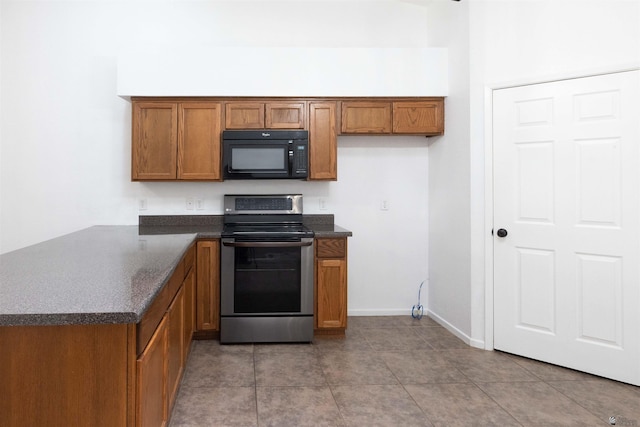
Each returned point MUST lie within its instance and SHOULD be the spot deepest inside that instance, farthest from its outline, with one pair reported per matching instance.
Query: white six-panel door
(566, 184)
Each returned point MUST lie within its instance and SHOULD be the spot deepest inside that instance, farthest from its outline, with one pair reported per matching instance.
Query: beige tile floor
(390, 371)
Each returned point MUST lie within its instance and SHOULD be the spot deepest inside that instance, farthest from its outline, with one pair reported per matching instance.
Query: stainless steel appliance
(265, 154)
(266, 289)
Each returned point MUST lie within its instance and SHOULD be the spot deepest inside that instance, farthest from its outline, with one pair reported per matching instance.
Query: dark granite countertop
(103, 274)
(106, 274)
(210, 226)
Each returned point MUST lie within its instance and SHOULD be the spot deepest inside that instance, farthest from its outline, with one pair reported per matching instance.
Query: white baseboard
(381, 312)
(457, 332)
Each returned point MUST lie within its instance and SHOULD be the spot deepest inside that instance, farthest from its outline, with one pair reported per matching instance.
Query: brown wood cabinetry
(176, 141)
(63, 375)
(208, 287)
(331, 285)
(323, 141)
(151, 408)
(199, 151)
(372, 117)
(180, 138)
(422, 118)
(189, 309)
(416, 117)
(284, 115)
(154, 140)
(264, 115)
(244, 115)
(161, 363)
(175, 347)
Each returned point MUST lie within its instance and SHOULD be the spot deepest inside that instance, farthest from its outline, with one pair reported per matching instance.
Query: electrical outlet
(199, 204)
(322, 204)
(190, 203)
(384, 205)
(142, 204)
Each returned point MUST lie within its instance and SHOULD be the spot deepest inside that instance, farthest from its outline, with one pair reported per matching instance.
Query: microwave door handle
(290, 158)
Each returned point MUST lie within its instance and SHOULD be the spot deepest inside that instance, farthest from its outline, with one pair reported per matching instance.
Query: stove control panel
(263, 204)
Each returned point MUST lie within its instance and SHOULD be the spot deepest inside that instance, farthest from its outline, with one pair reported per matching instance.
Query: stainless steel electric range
(266, 289)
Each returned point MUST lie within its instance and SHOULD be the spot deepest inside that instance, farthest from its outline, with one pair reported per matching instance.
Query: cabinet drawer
(331, 248)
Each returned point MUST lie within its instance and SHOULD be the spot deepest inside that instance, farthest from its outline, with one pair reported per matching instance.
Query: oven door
(266, 278)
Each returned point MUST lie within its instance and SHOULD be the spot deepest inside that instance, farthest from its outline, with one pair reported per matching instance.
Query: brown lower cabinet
(160, 366)
(151, 381)
(96, 375)
(331, 286)
(63, 375)
(208, 288)
(189, 309)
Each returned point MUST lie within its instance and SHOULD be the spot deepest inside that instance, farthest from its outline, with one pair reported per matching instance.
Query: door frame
(488, 175)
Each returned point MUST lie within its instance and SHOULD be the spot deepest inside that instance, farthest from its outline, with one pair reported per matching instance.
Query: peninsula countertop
(102, 274)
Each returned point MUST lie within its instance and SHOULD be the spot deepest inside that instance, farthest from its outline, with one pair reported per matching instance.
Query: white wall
(506, 42)
(449, 217)
(65, 135)
(525, 42)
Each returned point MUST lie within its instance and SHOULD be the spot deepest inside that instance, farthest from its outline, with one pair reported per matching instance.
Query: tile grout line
(255, 384)
(556, 389)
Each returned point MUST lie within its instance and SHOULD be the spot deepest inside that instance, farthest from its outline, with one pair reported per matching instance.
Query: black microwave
(265, 154)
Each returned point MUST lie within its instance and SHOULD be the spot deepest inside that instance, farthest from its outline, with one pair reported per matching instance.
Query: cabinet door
(244, 115)
(423, 117)
(331, 283)
(189, 286)
(284, 115)
(175, 350)
(199, 127)
(154, 141)
(151, 381)
(208, 286)
(366, 117)
(323, 146)
(332, 293)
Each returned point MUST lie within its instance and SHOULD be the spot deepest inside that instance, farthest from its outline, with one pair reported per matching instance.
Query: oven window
(259, 158)
(267, 280)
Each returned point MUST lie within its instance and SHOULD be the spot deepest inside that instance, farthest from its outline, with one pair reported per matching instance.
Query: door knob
(502, 232)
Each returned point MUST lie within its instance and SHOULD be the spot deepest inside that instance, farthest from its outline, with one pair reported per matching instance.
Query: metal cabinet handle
(267, 244)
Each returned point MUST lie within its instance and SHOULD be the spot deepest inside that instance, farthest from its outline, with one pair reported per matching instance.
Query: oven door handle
(267, 244)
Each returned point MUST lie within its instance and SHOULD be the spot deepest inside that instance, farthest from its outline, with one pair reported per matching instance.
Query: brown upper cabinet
(323, 141)
(423, 117)
(366, 117)
(176, 141)
(199, 151)
(154, 140)
(264, 115)
(180, 138)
